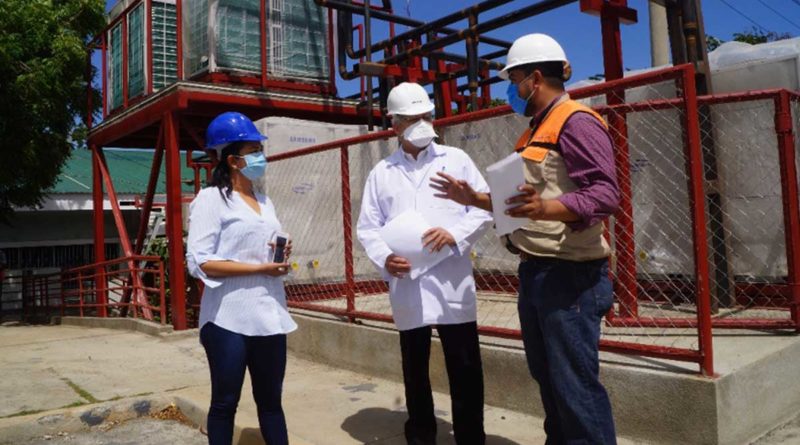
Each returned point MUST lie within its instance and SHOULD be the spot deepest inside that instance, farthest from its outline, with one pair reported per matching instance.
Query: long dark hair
(221, 178)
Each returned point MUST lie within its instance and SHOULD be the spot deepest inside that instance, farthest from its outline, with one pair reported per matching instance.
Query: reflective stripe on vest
(545, 138)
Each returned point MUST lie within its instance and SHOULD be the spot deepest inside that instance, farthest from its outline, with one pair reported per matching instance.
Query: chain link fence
(699, 235)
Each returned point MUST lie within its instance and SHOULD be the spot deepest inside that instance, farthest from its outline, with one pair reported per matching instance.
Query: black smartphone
(279, 256)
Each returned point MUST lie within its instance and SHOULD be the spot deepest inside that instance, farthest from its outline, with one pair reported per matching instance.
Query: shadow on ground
(381, 425)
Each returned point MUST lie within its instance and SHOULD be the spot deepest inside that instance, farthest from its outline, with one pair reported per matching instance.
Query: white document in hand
(403, 235)
(504, 177)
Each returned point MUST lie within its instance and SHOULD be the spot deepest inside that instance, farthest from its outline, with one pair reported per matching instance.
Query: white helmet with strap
(533, 48)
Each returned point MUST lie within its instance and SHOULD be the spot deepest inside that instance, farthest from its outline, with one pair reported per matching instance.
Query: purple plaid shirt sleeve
(588, 154)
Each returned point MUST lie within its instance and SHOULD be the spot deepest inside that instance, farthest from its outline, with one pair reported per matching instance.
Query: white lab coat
(445, 294)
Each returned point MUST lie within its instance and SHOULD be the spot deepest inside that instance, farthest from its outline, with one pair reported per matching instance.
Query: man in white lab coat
(444, 295)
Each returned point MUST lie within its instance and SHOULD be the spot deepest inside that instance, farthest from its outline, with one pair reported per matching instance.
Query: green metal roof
(129, 169)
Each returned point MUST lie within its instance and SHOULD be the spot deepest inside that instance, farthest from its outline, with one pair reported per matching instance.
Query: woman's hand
(275, 269)
(287, 249)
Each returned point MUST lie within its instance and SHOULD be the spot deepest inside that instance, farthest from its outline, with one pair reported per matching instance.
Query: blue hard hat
(231, 127)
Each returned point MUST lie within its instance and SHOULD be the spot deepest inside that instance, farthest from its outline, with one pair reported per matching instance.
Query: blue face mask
(256, 165)
(518, 104)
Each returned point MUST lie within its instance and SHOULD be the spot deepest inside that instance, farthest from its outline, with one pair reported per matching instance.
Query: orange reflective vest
(536, 142)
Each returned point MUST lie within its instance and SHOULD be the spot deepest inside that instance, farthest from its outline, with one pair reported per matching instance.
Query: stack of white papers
(504, 177)
(403, 235)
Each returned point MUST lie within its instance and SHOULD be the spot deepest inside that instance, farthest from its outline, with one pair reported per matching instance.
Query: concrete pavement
(80, 370)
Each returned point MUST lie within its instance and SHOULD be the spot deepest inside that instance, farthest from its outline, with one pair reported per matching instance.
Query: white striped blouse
(230, 230)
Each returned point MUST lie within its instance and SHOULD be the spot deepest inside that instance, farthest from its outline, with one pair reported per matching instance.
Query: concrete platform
(342, 385)
(500, 310)
(655, 401)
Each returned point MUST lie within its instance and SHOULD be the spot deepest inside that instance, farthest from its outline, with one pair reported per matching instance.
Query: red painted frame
(303, 296)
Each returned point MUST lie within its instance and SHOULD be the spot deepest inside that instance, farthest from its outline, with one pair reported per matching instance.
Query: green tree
(43, 51)
(756, 36)
(753, 37)
(712, 42)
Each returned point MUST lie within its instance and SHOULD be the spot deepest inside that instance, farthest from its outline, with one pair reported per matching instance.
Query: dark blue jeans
(561, 304)
(228, 355)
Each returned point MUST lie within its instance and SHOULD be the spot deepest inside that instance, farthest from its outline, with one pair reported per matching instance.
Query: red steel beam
(122, 230)
(155, 169)
(625, 274)
(148, 115)
(347, 228)
(340, 312)
(179, 99)
(789, 195)
(694, 168)
(177, 279)
(147, 206)
(245, 79)
(664, 352)
(686, 323)
(98, 220)
(332, 54)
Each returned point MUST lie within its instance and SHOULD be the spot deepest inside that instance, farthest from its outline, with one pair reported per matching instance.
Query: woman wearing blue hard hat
(243, 315)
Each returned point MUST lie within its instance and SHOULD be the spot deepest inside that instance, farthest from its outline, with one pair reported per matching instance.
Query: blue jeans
(561, 304)
(228, 355)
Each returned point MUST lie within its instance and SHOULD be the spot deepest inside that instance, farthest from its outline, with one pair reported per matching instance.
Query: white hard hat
(408, 99)
(532, 48)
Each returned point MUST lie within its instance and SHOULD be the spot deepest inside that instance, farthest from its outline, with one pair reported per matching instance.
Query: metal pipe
(368, 56)
(482, 83)
(396, 19)
(659, 42)
(436, 25)
(472, 66)
(497, 22)
(482, 62)
(690, 29)
(496, 54)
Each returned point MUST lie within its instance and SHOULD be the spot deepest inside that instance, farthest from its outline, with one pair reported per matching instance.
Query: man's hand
(397, 266)
(529, 203)
(453, 189)
(436, 238)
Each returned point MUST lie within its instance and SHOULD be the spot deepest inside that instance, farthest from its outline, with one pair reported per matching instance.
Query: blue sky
(579, 33)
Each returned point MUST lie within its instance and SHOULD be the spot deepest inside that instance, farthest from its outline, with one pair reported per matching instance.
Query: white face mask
(420, 134)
